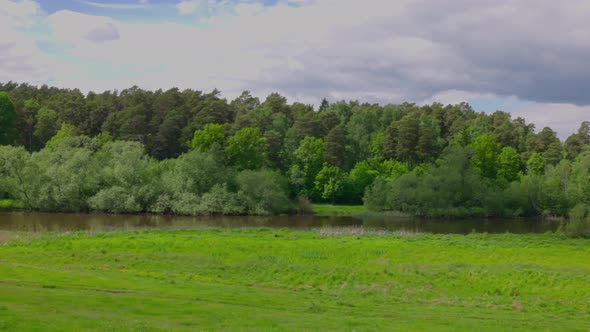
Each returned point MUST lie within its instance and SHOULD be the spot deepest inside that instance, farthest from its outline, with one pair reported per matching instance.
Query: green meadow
(285, 280)
(338, 210)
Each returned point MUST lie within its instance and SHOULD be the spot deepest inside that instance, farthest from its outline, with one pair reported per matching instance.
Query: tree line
(191, 152)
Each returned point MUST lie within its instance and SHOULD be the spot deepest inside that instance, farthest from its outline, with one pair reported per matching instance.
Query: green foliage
(536, 164)
(308, 162)
(579, 221)
(220, 201)
(213, 135)
(578, 187)
(263, 192)
(543, 140)
(360, 177)
(184, 203)
(375, 198)
(336, 146)
(377, 146)
(485, 155)
(362, 124)
(115, 200)
(549, 192)
(11, 204)
(56, 188)
(454, 187)
(386, 148)
(15, 174)
(247, 149)
(553, 154)
(66, 130)
(574, 145)
(509, 164)
(8, 132)
(166, 141)
(329, 182)
(46, 125)
(429, 140)
(401, 138)
(392, 169)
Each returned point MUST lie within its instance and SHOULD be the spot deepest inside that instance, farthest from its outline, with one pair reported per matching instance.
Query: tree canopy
(187, 151)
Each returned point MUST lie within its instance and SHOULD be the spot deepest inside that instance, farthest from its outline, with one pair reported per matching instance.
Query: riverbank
(321, 210)
(11, 205)
(338, 210)
(263, 279)
(8, 205)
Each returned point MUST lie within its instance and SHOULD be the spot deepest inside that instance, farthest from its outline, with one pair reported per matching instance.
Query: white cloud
(18, 14)
(187, 7)
(20, 58)
(456, 96)
(142, 4)
(78, 29)
(373, 50)
(104, 33)
(204, 10)
(565, 119)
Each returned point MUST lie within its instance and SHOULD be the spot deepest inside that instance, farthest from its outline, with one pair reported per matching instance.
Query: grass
(263, 279)
(11, 204)
(338, 210)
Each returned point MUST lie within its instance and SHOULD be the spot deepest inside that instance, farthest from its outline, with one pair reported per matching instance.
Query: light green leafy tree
(485, 155)
(210, 136)
(329, 182)
(509, 164)
(309, 158)
(247, 149)
(535, 164)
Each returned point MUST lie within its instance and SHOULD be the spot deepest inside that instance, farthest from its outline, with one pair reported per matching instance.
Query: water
(41, 222)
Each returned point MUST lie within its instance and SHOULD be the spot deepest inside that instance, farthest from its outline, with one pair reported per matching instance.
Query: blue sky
(145, 11)
(496, 55)
(152, 11)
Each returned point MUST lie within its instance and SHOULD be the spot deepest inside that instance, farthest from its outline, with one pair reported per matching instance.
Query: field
(263, 279)
(338, 210)
(10, 204)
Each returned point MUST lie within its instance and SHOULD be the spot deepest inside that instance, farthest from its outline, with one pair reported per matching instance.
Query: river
(61, 222)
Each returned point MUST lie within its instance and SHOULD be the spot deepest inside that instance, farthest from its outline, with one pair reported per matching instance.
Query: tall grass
(578, 223)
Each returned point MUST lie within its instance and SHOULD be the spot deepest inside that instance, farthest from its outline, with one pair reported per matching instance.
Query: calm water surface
(39, 222)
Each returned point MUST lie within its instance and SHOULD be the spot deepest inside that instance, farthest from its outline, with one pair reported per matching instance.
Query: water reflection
(42, 222)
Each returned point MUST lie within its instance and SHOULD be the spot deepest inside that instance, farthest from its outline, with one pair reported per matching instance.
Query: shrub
(186, 203)
(115, 200)
(263, 192)
(220, 201)
(579, 221)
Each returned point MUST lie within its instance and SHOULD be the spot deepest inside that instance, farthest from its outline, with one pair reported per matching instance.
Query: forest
(191, 152)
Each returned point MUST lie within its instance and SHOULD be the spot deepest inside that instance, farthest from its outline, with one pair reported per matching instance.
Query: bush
(263, 192)
(304, 205)
(220, 201)
(163, 204)
(114, 200)
(186, 203)
(578, 223)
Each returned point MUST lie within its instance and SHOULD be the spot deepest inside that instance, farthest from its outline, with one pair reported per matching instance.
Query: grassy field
(10, 205)
(261, 279)
(338, 210)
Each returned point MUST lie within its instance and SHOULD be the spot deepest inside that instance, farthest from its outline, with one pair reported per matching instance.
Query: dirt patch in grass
(5, 236)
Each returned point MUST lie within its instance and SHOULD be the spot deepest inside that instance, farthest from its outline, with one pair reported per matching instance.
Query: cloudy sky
(528, 57)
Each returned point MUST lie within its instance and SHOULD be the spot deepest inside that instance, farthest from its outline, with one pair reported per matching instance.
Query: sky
(527, 57)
